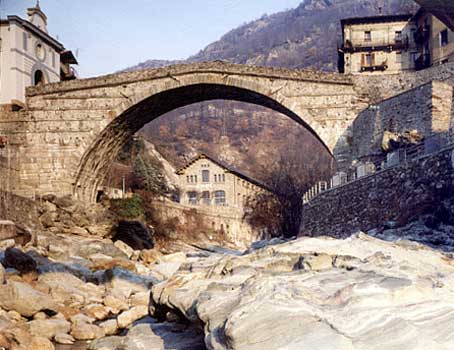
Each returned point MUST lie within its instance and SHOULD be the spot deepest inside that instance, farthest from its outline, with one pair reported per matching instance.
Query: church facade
(30, 56)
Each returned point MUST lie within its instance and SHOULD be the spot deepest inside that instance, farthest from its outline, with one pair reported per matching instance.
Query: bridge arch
(141, 107)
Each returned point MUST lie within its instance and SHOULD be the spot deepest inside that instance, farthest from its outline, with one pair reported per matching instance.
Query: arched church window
(38, 78)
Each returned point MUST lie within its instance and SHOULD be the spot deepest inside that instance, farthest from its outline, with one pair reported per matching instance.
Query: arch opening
(96, 161)
(38, 78)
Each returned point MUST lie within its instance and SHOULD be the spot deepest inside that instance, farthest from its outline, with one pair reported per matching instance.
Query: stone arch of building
(144, 107)
(39, 68)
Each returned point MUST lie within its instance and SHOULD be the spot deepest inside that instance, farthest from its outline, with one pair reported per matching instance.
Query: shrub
(128, 208)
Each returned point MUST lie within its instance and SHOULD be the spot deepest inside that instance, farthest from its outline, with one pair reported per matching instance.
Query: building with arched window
(206, 181)
(30, 56)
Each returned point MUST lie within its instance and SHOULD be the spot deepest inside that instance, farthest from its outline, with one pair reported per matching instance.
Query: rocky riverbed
(71, 292)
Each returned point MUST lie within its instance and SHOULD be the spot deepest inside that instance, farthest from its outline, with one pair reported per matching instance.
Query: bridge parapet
(217, 67)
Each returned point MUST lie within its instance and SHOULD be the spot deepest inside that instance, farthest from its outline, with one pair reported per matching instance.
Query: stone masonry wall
(225, 219)
(21, 210)
(427, 109)
(377, 88)
(70, 132)
(400, 194)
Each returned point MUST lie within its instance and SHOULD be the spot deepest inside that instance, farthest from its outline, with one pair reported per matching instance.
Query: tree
(149, 177)
(282, 207)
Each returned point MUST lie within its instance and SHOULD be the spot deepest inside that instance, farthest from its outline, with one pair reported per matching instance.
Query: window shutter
(372, 60)
(363, 59)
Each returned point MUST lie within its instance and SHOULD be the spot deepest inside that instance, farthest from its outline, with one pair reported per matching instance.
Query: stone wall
(71, 131)
(22, 211)
(427, 109)
(376, 88)
(399, 195)
(216, 219)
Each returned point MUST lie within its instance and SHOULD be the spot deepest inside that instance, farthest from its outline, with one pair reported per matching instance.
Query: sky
(110, 35)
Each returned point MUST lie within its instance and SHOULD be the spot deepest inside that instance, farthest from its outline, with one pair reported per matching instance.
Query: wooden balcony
(396, 44)
(375, 67)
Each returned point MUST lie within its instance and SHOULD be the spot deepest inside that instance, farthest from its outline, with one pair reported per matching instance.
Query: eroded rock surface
(318, 293)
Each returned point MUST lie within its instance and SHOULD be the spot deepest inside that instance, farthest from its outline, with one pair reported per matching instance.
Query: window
(444, 38)
(367, 59)
(40, 52)
(195, 178)
(53, 59)
(25, 41)
(215, 178)
(368, 35)
(38, 78)
(219, 197)
(206, 197)
(223, 177)
(192, 197)
(398, 36)
(399, 57)
(187, 179)
(205, 176)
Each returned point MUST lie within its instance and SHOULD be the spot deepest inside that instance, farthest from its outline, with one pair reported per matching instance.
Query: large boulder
(49, 328)
(392, 141)
(24, 299)
(134, 234)
(7, 230)
(156, 336)
(19, 260)
(317, 293)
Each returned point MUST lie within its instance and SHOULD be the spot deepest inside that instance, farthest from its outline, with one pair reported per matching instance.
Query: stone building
(205, 181)
(434, 39)
(30, 56)
(394, 44)
(377, 45)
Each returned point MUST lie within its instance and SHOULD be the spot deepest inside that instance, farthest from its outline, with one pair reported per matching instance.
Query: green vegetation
(148, 176)
(128, 208)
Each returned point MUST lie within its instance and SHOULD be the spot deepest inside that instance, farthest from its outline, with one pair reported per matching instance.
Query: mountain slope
(250, 137)
(304, 37)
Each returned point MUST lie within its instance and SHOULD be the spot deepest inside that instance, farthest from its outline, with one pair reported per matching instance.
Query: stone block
(7, 230)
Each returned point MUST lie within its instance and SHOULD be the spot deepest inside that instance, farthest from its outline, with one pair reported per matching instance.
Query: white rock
(110, 327)
(63, 338)
(124, 248)
(319, 293)
(24, 299)
(48, 328)
(128, 317)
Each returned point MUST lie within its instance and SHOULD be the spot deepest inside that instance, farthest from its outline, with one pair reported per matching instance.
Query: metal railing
(429, 145)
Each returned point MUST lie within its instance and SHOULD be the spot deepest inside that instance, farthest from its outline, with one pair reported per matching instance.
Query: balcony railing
(429, 146)
(376, 43)
(374, 67)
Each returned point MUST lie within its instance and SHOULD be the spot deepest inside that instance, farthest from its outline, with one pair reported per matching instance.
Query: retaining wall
(399, 195)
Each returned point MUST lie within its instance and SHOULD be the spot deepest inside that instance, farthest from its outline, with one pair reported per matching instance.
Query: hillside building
(434, 39)
(379, 44)
(30, 56)
(394, 44)
(206, 181)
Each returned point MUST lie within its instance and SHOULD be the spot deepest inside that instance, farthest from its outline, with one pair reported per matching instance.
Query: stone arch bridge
(69, 133)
